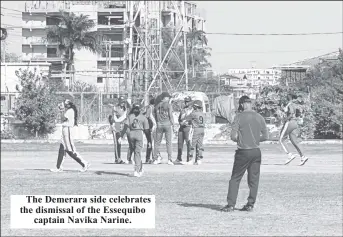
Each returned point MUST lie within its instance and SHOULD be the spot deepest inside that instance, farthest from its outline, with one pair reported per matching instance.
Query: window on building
(100, 80)
(52, 21)
(52, 52)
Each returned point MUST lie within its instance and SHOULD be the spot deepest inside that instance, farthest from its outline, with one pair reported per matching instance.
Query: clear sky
(249, 17)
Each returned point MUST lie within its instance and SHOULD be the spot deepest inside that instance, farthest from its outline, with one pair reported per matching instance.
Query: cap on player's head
(188, 99)
(136, 106)
(165, 95)
(244, 99)
(197, 104)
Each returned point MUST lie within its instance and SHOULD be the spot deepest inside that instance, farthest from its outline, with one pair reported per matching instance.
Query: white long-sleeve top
(69, 116)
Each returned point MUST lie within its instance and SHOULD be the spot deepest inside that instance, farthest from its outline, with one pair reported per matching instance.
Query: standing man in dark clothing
(248, 130)
(183, 134)
(164, 118)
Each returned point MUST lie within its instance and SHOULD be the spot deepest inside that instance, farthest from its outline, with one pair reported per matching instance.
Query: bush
(36, 105)
(7, 135)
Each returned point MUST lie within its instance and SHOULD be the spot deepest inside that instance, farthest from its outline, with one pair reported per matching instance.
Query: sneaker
(247, 207)
(303, 160)
(149, 161)
(84, 169)
(136, 174)
(198, 162)
(177, 161)
(170, 162)
(141, 173)
(191, 162)
(56, 170)
(157, 162)
(131, 162)
(120, 162)
(290, 158)
(227, 208)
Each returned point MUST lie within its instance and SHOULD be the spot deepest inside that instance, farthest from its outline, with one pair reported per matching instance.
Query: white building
(253, 77)
(111, 18)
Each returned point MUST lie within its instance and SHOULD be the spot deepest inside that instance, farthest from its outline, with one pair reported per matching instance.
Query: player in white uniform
(67, 144)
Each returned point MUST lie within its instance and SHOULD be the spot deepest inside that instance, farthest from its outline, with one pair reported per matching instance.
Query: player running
(164, 118)
(290, 129)
(197, 122)
(152, 128)
(137, 123)
(185, 127)
(67, 144)
(117, 121)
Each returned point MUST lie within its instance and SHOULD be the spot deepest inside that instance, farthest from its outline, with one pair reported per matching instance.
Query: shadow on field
(215, 207)
(113, 173)
(48, 170)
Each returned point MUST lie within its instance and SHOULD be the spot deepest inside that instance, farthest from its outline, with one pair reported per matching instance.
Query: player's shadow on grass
(214, 207)
(48, 170)
(111, 173)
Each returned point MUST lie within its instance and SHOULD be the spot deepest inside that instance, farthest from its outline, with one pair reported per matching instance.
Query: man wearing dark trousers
(183, 134)
(248, 130)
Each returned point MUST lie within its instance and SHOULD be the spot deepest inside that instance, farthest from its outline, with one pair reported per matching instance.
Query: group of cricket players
(154, 121)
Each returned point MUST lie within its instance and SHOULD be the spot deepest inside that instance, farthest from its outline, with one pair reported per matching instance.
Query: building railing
(49, 6)
(111, 4)
(34, 24)
(34, 40)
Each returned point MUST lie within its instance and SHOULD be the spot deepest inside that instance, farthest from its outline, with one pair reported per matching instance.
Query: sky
(229, 52)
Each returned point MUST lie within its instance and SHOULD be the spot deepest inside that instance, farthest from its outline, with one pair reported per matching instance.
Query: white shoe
(157, 162)
(132, 162)
(290, 158)
(141, 173)
(56, 170)
(84, 169)
(170, 162)
(199, 162)
(191, 162)
(303, 160)
(136, 174)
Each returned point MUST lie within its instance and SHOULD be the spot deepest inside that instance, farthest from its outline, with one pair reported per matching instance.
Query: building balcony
(111, 6)
(108, 26)
(42, 58)
(47, 6)
(34, 25)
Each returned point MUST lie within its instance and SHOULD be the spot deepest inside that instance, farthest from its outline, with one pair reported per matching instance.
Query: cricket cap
(136, 106)
(244, 99)
(188, 99)
(197, 103)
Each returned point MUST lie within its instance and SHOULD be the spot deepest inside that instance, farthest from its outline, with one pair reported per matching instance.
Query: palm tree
(74, 32)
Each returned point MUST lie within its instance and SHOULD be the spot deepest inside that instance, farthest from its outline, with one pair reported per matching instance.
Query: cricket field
(292, 200)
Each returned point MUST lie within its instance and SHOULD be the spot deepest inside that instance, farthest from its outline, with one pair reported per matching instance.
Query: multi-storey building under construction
(139, 39)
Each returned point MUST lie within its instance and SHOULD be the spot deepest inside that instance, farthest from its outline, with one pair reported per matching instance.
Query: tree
(325, 81)
(36, 105)
(273, 98)
(74, 32)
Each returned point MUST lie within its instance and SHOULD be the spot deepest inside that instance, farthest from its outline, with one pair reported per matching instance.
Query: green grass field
(292, 200)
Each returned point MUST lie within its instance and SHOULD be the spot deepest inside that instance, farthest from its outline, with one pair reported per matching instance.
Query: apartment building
(111, 18)
(253, 77)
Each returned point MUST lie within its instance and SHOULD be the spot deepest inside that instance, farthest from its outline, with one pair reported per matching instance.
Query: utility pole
(129, 79)
(184, 22)
(146, 78)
